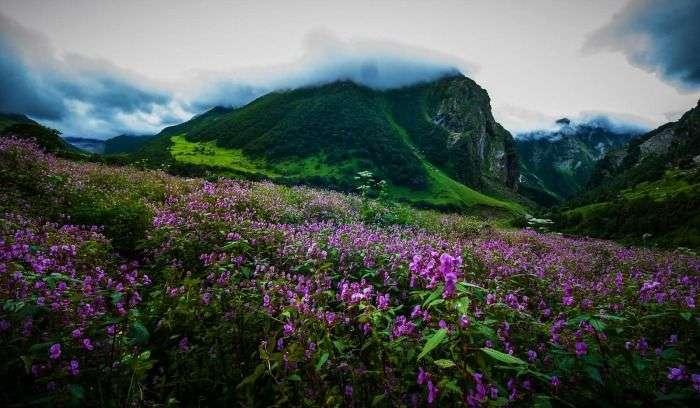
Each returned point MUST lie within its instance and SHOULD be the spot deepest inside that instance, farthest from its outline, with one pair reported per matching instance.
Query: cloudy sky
(99, 68)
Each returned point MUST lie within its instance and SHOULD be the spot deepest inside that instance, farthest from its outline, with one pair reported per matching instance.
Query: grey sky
(529, 55)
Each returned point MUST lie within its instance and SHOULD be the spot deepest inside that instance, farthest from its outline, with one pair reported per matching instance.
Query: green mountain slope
(125, 144)
(436, 144)
(21, 127)
(556, 165)
(9, 119)
(646, 192)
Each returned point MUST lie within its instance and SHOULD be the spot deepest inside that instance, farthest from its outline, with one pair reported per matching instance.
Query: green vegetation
(129, 288)
(664, 212)
(646, 193)
(323, 136)
(125, 144)
(8, 119)
(441, 191)
(556, 166)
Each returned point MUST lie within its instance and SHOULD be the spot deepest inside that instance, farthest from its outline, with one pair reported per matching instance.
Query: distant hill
(556, 165)
(122, 144)
(646, 191)
(436, 144)
(20, 126)
(96, 146)
(9, 119)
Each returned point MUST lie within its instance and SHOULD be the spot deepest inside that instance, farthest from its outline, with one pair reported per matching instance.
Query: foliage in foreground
(261, 295)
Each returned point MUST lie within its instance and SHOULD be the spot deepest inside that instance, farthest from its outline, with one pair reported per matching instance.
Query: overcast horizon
(102, 68)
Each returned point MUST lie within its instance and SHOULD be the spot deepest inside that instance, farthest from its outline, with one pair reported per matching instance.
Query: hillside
(436, 144)
(9, 119)
(647, 191)
(124, 287)
(557, 165)
(20, 126)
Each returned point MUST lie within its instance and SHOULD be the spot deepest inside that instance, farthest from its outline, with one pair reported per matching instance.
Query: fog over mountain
(81, 95)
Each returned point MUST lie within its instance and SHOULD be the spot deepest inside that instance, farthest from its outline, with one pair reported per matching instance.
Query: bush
(125, 224)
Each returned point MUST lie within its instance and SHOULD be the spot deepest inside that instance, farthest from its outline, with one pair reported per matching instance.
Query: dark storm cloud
(659, 36)
(73, 91)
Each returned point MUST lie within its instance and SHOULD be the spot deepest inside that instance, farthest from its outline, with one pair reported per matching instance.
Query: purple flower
(288, 329)
(554, 381)
(330, 318)
(87, 343)
(432, 392)
(383, 301)
(348, 390)
(184, 344)
(675, 373)
(442, 324)
(464, 322)
(111, 330)
(531, 355)
(76, 334)
(422, 376)
(74, 367)
(55, 351)
(581, 348)
(696, 381)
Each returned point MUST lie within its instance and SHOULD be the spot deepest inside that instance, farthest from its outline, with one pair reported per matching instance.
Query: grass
(442, 191)
(207, 153)
(673, 182)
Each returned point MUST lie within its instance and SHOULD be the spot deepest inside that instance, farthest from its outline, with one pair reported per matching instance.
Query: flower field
(121, 286)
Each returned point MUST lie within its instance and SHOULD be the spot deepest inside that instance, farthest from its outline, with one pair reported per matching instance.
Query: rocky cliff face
(670, 145)
(479, 144)
(559, 163)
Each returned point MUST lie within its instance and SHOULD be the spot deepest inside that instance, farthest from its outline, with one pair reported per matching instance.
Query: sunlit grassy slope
(667, 209)
(441, 191)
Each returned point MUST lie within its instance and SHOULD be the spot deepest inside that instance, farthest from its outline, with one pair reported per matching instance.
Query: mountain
(556, 165)
(646, 191)
(96, 146)
(21, 127)
(9, 119)
(436, 144)
(122, 144)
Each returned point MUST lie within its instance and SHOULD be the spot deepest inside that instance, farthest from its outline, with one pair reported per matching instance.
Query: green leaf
(445, 363)
(254, 376)
(686, 315)
(377, 399)
(138, 334)
(322, 361)
(597, 324)
(77, 391)
(462, 305)
(436, 294)
(542, 401)
(594, 374)
(433, 342)
(503, 357)
(435, 302)
(452, 386)
(116, 297)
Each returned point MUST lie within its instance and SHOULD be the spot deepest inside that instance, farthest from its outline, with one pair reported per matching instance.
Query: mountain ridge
(433, 142)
